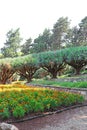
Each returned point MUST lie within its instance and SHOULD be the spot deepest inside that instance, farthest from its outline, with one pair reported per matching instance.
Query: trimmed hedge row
(51, 61)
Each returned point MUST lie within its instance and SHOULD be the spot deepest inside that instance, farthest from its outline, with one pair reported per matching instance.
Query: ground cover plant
(62, 83)
(26, 100)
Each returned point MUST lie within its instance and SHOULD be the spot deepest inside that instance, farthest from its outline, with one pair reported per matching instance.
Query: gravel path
(75, 119)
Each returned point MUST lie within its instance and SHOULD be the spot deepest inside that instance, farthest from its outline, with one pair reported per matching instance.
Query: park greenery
(53, 52)
(18, 100)
(53, 62)
(62, 83)
(62, 35)
(60, 51)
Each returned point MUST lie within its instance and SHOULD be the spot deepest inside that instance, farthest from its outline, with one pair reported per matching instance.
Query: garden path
(74, 119)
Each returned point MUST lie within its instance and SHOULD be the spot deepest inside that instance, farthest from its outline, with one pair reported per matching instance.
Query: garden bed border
(48, 113)
(57, 111)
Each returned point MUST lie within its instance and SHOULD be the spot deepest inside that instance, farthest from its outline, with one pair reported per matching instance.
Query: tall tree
(72, 37)
(12, 44)
(83, 31)
(59, 31)
(42, 42)
(77, 36)
(26, 47)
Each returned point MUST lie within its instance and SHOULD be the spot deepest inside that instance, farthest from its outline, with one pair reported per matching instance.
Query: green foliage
(62, 83)
(69, 100)
(76, 54)
(77, 36)
(59, 31)
(50, 57)
(26, 47)
(83, 31)
(76, 57)
(26, 66)
(28, 60)
(72, 37)
(30, 99)
(52, 62)
(18, 112)
(42, 42)
(12, 44)
(5, 114)
(39, 107)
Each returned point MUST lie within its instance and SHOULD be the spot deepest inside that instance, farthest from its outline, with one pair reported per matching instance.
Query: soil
(74, 119)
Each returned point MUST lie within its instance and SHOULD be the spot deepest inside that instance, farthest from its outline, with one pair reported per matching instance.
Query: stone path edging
(48, 113)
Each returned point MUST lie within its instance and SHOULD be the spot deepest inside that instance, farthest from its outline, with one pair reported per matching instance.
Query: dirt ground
(75, 119)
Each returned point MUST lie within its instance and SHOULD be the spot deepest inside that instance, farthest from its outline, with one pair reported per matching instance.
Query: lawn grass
(80, 84)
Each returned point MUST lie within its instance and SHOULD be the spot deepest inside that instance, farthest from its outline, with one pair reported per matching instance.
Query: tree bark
(54, 75)
(77, 71)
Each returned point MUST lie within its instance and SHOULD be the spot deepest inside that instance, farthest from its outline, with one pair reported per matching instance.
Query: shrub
(24, 100)
(18, 111)
(5, 113)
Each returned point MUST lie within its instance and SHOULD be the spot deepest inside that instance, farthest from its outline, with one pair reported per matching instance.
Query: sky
(33, 16)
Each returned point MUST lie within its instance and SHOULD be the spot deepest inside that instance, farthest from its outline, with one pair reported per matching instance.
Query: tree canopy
(61, 35)
(52, 61)
(26, 47)
(12, 44)
(42, 42)
(76, 57)
(60, 29)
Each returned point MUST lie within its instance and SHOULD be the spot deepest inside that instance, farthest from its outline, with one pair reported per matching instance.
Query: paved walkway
(75, 119)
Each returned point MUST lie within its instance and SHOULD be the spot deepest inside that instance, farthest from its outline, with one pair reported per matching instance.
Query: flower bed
(19, 100)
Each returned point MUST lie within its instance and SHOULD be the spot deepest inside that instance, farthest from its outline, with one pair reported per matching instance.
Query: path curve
(75, 119)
